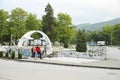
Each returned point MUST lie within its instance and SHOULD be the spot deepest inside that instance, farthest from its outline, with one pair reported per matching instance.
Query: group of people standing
(36, 50)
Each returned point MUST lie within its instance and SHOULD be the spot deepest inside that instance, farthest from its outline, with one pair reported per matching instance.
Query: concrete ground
(15, 70)
(113, 53)
(107, 64)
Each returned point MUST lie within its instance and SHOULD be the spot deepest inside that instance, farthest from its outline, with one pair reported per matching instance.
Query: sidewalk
(106, 64)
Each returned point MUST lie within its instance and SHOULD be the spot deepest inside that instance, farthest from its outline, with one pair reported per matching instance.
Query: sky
(81, 11)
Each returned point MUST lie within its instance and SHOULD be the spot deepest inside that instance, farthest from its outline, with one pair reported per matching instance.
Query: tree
(94, 36)
(97, 36)
(49, 23)
(17, 23)
(81, 42)
(36, 35)
(116, 34)
(65, 28)
(32, 23)
(64, 19)
(106, 33)
(3, 26)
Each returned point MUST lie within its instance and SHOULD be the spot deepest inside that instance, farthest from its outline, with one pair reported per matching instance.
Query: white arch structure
(27, 36)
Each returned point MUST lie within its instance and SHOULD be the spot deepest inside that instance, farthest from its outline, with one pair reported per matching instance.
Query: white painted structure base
(86, 55)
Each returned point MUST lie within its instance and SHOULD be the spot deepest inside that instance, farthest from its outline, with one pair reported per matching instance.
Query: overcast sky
(81, 11)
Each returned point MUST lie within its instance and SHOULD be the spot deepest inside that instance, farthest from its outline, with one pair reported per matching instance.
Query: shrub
(66, 45)
(6, 55)
(1, 54)
(81, 42)
(13, 55)
(19, 56)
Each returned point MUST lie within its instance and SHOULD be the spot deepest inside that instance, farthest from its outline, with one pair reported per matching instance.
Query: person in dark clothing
(38, 51)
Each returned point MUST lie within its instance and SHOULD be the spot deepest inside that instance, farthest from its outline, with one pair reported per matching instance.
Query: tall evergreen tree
(49, 23)
(81, 42)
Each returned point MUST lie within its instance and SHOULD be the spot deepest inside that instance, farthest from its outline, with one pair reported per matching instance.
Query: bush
(19, 56)
(66, 45)
(6, 55)
(81, 42)
(81, 47)
(1, 54)
(13, 55)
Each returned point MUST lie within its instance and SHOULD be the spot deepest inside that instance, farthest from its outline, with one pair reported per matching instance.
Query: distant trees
(106, 33)
(109, 34)
(116, 34)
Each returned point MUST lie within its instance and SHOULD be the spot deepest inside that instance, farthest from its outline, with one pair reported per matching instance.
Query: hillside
(97, 26)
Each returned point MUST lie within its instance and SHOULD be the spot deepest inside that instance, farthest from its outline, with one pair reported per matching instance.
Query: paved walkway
(106, 64)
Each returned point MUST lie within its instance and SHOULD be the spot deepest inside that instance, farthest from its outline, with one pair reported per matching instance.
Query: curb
(67, 64)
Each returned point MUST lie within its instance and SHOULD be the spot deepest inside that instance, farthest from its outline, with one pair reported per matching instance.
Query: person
(38, 51)
(10, 51)
(44, 51)
(33, 50)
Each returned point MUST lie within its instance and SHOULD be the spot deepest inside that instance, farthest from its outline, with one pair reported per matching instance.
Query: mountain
(97, 26)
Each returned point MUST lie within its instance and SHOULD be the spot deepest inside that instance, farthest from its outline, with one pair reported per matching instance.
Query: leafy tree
(49, 23)
(17, 23)
(98, 36)
(65, 28)
(81, 42)
(32, 23)
(94, 36)
(87, 35)
(106, 33)
(3, 26)
(103, 35)
(116, 34)
(36, 35)
(64, 19)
